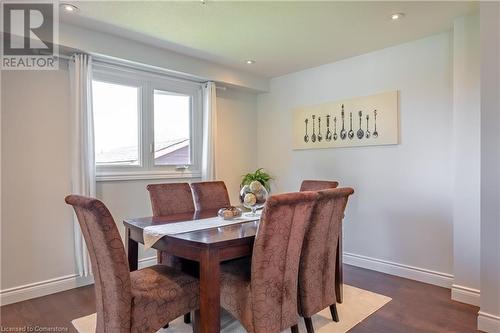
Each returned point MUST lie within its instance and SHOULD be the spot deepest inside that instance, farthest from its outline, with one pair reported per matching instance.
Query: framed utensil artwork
(362, 121)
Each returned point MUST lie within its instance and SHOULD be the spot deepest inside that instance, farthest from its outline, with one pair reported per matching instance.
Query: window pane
(172, 128)
(115, 123)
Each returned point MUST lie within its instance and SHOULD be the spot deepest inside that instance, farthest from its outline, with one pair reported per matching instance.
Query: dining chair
(168, 199)
(172, 198)
(144, 300)
(316, 185)
(262, 294)
(210, 195)
(317, 272)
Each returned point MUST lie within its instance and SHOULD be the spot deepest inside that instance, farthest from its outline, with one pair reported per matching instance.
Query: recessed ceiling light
(397, 16)
(249, 62)
(69, 7)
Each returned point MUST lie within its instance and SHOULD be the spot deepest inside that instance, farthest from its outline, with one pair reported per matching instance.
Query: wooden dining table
(208, 247)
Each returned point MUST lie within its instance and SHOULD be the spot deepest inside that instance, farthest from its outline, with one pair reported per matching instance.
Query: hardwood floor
(415, 307)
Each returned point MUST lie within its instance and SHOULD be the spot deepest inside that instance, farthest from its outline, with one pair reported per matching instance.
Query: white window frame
(147, 82)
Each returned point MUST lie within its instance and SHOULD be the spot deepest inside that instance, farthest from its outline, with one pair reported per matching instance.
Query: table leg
(339, 276)
(132, 251)
(208, 320)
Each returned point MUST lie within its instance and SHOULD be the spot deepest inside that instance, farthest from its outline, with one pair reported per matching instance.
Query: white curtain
(208, 163)
(82, 145)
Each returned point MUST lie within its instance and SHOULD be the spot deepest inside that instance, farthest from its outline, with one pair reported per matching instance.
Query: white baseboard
(488, 323)
(410, 272)
(465, 294)
(52, 286)
(43, 288)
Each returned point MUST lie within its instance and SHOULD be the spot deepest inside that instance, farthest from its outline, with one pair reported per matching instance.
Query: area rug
(358, 305)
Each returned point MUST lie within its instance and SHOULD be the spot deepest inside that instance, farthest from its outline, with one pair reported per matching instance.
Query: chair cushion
(236, 295)
(160, 294)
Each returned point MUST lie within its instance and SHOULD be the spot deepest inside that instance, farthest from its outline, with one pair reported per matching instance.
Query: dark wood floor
(415, 307)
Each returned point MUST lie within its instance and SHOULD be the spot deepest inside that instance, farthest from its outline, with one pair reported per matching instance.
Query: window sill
(106, 177)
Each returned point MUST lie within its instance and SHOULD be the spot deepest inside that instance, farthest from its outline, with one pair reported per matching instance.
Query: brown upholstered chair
(173, 198)
(316, 185)
(263, 295)
(317, 273)
(167, 199)
(140, 301)
(210, 195)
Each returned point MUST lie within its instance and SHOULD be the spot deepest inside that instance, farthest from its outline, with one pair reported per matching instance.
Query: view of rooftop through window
(116, 127)
(171, 128)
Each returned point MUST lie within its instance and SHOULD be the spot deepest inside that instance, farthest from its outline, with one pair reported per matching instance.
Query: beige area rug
(358, 305)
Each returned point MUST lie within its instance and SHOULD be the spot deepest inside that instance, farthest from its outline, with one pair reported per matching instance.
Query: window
(145, 125)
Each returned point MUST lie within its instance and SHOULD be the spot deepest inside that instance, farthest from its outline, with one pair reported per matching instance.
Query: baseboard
(488, 323)
(410, 272)
(465, 294)
(52, 286)
(43, 288)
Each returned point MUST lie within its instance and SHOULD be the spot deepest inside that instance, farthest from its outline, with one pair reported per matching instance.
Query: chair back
(210, 195)
(167, 199)
(109, 264)
(317, 185)
(275, 260)
(319, 252)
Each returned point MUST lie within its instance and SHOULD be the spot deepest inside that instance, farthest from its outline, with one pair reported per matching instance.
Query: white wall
(401, 213)
(466, 160)
(37, 235)
(489, 314)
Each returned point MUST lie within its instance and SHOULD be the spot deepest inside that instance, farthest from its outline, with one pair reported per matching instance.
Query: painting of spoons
(352, 122)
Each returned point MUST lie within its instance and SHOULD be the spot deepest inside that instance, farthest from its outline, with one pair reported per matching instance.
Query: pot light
(249, 62)
(397, 16)
(69, 8)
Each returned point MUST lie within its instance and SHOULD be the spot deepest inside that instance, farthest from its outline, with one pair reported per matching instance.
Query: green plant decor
(261, 176)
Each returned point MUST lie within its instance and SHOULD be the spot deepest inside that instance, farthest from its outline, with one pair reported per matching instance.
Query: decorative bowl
(229, 213)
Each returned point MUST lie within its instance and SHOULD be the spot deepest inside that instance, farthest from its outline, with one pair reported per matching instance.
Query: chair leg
(187, 318)
(309, 324)
(335, 314)
(295, 329)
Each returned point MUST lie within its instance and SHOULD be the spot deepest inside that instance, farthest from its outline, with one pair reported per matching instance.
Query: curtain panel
(82, 146)
(208, 163)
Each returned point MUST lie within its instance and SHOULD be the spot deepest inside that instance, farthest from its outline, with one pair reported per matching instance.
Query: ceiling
(281, 37)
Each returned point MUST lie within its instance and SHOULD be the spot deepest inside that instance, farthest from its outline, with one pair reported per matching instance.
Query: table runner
(152, 234)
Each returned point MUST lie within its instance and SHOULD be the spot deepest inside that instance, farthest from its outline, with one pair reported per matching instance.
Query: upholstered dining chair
(141, 301)
(317, 272)
(263, 295)
(172, 198)
(210, 195)
(167, 199)
(316, 185)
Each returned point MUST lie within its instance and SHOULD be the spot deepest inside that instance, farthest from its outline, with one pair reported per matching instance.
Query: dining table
(209, 248)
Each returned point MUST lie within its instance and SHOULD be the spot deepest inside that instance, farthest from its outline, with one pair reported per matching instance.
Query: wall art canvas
(362, 121)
